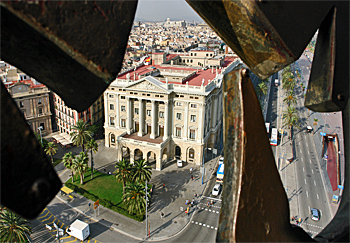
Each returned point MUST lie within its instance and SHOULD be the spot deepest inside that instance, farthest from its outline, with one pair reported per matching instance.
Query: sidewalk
(178, 188)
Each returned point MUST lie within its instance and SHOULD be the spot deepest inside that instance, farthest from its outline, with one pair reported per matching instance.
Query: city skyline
(156, 10)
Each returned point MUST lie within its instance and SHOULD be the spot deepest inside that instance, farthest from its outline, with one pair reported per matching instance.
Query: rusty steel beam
(28, 179)
(76, 48)
(254, 201)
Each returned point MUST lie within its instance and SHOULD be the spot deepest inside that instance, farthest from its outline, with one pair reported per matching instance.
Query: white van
(179, 163)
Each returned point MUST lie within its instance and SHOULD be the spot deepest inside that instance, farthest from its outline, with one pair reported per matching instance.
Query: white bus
(274, 135)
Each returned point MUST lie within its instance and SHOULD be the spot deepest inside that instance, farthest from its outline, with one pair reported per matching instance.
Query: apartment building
(66, 117)
(161, 112)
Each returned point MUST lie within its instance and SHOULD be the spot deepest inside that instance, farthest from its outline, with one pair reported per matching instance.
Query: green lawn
(103, 187)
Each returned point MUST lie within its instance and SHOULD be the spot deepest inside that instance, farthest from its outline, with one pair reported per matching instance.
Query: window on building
(193, 118)
(42, 125)
(178, 132)
(111, 96)
(123, 108)
(122, 97)
(193, 105)
(206, 54)
(136, 111)
(123, 123)
(111, 106)
(39, 101)
(161, 114)
(112, 138)
(21, 104)
(178, 103)
(111, 121)
(178, 116)
(191, 54)
(192, 134)
(148, 112)
(40, 110)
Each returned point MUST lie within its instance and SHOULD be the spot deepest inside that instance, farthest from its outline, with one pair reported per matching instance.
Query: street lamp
(203, 163)
(41, 137)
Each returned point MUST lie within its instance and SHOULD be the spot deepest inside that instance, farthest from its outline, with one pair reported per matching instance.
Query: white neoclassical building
(162, 112)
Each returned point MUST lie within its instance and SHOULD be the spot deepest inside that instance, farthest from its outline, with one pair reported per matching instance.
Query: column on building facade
(214, 112)
(141, 118)
(129, 114)
(154, 119)
(185, 121)
(117, 122)
(166, 124)
(106, 110)
(201, 122)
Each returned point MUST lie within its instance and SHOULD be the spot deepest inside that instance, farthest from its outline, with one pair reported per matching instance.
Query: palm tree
(51, 149)
(315, 124)
(142, 171)
(263, 87)
(81, 134)
(93, 147)
(290, 99)
(290, 118)
(288, 81)
(80, 165)
(123, 172)
(68, 163)
(13, 228)
(134, 198)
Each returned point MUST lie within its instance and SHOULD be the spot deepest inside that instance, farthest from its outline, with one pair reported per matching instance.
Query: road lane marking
(200, 223)
(312, 171)
(316, 226)
(303, 169)
(321, 212)
(307, 194)
(307, 145)
(300, 151)
(310, 161)
(308, 152)
(305, 181)
(317, 196)
(309, 208)
(301, 158)
(315, 183)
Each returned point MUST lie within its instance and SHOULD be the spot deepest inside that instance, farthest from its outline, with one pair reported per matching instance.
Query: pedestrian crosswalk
(204, 225)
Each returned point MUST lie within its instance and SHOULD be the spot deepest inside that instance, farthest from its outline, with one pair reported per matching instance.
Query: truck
(79, 230)
(220, 173)
(274, 137)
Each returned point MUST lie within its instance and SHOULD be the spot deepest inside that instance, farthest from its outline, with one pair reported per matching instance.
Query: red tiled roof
(171, 56)
(195, 80)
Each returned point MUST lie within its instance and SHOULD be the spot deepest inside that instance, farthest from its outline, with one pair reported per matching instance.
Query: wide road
(308, 174)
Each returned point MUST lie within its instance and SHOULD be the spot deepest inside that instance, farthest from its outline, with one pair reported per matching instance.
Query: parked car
(309, 129)
(221, 160)
(216, 190)
(315, 214)
(179, 163)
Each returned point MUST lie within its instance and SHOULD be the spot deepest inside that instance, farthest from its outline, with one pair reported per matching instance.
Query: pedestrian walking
(161, 215)
(211, 202)
(192, 204)
(192, 177)
(195, 195)
(208, 204)
(191, 170)
(163, 185)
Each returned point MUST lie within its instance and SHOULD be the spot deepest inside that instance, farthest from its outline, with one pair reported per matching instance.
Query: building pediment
(148, 84)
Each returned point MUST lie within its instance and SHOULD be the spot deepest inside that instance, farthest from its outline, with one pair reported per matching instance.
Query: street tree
(80, 165)
(124, 172)
(288, 82)
(13, 228)
(81, 134)
(290, 98)
(92, 146)
(263, 87)
(315, 124)
(68, 163)
(290, 118)
(134, 198)
(51, 149)
(141, 171)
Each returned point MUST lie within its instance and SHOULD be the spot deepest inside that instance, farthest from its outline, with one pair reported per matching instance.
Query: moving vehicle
(179, 163)
(220, 174)
(309, 129)
(267, 125)
(216, 190)
(79, 230)
(276, 82)
(315, 214)
(274, 136)
(221, 160)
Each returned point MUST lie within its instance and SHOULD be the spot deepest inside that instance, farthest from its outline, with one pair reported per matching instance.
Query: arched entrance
(177, 152)
(164, 156)
(138, 154)
(191, 153)
(112, 140)
(125, 153)
(151, 159)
